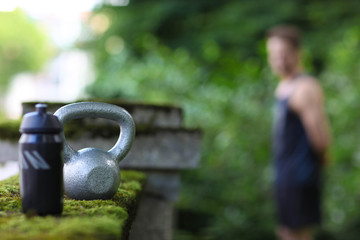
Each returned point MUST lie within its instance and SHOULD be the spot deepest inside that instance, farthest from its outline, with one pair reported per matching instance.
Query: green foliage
(341, 82)
(209, 57)
(9, 129)
(96, 219)
(23, 45)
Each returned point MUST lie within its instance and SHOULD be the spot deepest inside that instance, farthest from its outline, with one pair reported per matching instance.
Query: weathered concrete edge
(158, 150)
(119, 102)
(8, 151)
(143, 114)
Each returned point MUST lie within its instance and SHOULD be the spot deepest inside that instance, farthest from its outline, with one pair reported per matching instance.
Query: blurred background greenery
(209, 57)
(24, 46)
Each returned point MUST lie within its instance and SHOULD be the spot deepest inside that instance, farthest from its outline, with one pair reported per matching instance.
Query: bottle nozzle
(41, 108)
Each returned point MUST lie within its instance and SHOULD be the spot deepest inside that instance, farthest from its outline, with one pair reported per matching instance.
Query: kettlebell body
(92, 173)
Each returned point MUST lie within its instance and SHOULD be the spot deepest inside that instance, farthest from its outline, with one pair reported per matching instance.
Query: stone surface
(161, 149)
(143, 114)
(8, 169)
(154, 220)
(8, 151)
(163, 184)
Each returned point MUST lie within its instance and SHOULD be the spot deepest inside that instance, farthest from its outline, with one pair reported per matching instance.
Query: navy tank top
(296, 163)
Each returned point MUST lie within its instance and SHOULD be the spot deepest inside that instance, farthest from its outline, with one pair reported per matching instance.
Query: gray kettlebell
(92, 173)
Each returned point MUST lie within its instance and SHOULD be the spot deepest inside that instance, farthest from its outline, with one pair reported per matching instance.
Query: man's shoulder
(308, 92)
(308, 84)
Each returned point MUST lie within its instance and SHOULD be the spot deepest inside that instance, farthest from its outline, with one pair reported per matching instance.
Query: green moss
(10, 130)
(75, 129)
(96, 219)
(97, 227)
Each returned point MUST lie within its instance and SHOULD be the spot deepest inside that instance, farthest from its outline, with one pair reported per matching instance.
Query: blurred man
(301, 137)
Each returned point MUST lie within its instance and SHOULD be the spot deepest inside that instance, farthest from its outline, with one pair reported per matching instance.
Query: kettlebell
(92, 173)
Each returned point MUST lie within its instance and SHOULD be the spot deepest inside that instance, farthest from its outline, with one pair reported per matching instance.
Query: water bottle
(41, 163)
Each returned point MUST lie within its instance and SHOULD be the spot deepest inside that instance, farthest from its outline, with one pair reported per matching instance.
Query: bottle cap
(40, 121)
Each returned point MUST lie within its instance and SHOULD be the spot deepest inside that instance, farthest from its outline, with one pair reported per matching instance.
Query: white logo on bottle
(34, 159)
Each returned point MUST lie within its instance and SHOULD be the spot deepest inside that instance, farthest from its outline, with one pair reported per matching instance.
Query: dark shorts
(298, 207)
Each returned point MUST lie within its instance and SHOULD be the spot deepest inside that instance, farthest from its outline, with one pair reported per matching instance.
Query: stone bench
(162, 148)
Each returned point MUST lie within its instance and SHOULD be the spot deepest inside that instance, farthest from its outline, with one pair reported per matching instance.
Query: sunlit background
(68, 70)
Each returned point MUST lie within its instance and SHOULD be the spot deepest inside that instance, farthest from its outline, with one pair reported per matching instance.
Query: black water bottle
(41, 163)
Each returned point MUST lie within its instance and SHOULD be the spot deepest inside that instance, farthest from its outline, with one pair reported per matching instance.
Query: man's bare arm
(308, 102)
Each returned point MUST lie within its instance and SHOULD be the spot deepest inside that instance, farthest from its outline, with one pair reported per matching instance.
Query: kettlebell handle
(99, 110)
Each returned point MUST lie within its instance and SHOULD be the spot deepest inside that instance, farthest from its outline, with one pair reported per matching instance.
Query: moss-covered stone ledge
(9, 130)
(144, 114)
(96, 219)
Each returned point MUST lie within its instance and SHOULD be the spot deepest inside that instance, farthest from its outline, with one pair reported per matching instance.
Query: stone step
(8, 169)
(9, 151)
(143, 114)
(163, 149)
(161, 143)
